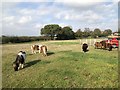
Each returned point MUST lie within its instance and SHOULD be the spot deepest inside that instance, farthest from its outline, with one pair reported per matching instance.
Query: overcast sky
(23, 18)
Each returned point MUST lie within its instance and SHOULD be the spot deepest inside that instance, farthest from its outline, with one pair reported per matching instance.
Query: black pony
(84, 47)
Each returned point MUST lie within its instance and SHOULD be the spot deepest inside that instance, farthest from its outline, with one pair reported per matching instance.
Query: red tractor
(114, 40)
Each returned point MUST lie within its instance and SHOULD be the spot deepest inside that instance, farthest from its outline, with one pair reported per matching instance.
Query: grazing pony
(36, 47)
(106, 45)
(98, 45)
(110, 47)
(103, 45)
(84, 47)
(42, 49)
(20, 61)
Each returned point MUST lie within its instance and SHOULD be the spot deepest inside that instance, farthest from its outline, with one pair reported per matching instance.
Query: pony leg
(45, 51)
(22, 65)
(32, 51)
(35, 52)
(39, 50)
(19, 66)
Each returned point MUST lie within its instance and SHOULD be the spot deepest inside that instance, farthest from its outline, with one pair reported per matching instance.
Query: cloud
(39, 25)
(88, 16)
(8, 19)
(26, 11)
(24, 19)
(26, 0)
(85, 1)
(82, 3)
(30, 17)
(79, 1)
(91, 16)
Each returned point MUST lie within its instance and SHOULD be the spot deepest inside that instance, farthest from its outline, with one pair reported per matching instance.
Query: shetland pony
(44, 50)
(41, 48)
(36, 47)
(84, 47)
(20, 61)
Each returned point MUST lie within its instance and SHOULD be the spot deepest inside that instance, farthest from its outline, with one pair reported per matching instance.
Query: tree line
(20, 39)
(54, 31)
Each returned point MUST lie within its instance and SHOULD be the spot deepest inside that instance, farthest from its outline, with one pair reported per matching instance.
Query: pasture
(66, 66)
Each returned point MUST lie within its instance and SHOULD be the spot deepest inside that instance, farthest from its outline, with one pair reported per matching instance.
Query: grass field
(65, 66)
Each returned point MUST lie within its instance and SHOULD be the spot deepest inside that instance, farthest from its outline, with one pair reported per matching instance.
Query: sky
(26, 18)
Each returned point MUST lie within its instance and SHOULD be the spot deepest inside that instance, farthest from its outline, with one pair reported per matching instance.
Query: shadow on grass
(98, 48)
(87, 50)
(67, 51)
(101, 48)
(50, 53)
(29, 64)
(30, 54)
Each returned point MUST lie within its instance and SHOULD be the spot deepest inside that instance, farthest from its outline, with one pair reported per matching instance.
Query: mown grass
(66, 66)
(64, 43)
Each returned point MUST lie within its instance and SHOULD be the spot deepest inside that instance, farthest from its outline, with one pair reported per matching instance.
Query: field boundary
(90, 41)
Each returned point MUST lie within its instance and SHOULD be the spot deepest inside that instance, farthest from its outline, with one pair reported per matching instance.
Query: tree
(97, 32)
(78, 33)
(66, 33)
(86, 32)
(51, 30)
(118, 30)
(107, 32)
(92, 34)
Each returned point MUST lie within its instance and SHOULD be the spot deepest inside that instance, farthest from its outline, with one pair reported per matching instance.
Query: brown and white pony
(106, 45)
(98, 45)
(42, 49)
(103, 45)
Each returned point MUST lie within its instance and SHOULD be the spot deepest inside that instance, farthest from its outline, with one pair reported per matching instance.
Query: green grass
(64, 43)
(65, 66)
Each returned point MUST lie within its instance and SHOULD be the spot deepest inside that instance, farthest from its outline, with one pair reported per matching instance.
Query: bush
(21, 39)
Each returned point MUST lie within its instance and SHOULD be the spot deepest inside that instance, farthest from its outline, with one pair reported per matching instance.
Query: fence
(90, 41)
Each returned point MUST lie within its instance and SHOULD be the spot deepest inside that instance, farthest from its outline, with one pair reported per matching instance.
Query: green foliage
(97, 32)
(20, 39)
(107, 32)
(50, 30)
(65, 33)
(53, 30)
(78, 33)
(86, 32)
(118, 30)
